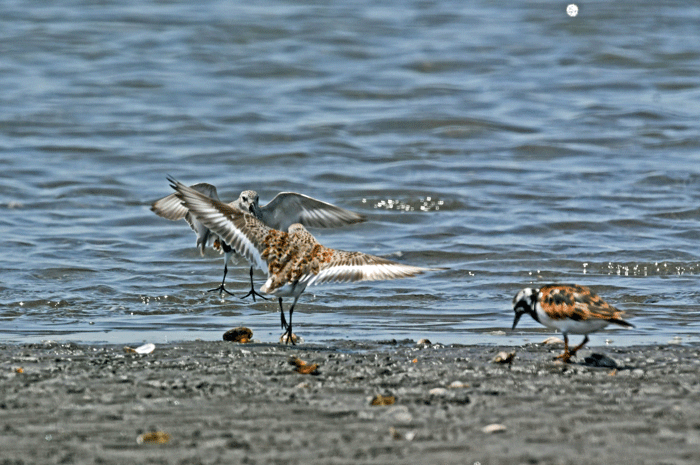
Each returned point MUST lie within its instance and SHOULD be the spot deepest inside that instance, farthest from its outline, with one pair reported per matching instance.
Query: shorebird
(284, 210)
(293, 259)
(568, 308)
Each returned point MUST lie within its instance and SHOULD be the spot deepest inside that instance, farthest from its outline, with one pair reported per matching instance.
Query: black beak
(517, 318)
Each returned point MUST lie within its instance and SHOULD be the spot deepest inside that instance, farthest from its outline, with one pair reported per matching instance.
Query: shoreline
(223, 402)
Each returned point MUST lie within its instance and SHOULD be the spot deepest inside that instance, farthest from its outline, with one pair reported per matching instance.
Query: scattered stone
(395, 434)
(397, 414)
(600, 361)
(457, 385)
(240, 334)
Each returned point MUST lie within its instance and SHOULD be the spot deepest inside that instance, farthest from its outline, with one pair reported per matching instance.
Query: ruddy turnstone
(293, 259)
(570, 309)
(284, 210)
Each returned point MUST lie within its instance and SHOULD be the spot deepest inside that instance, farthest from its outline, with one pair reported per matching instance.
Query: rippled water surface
(514, 145)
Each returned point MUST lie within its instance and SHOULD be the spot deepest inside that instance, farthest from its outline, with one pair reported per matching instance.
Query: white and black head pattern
(525, 302)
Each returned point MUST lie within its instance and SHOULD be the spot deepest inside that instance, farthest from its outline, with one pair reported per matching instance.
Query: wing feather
(240, 230)
(171, 208)
(288, 208)
(357, 266)
(579, 303)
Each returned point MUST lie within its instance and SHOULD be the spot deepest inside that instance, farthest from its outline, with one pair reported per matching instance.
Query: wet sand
(223, 402)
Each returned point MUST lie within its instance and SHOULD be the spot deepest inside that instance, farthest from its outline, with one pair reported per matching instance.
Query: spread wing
(341, 266)
(239, 229)
(288, 208)
(578, 303)
(171, 207)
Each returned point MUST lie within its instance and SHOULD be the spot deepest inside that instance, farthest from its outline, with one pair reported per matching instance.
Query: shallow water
(512, 145)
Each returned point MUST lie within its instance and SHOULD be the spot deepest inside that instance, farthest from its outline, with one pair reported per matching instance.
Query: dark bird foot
(252, 289)
(253, 293)
(221, 290)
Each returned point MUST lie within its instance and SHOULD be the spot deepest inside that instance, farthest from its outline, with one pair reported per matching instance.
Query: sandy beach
(224, 402)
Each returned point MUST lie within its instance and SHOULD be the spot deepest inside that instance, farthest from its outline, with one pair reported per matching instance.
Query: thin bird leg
(288, 333)
(282, 318)
(566, 355)
(222, 287)
(252, 289)
(575, 349)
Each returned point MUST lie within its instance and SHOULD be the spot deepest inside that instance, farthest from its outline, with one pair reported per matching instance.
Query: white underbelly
(288, 290)
(567, 325)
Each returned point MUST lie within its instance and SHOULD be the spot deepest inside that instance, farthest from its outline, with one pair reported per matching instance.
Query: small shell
(383, 400)
(504, 357)
(437, 391)
(284, 339)
(553, 340)
(144, 349)
(154, 437)
(424, 342)
(296, 361)
(308, 369)
(494, 428)
(240, 334)
(302, 367)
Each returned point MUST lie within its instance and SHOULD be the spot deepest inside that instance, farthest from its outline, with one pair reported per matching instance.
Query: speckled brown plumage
(293, 259)
(284, 210)
(569, 308)
(576, 302)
